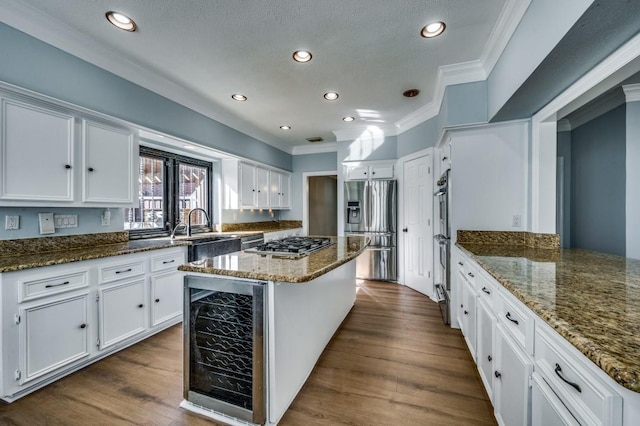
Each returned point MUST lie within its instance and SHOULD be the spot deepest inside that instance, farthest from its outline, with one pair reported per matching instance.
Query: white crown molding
(469, 72)
(506, 25)
(315, 148)
(631, 92)
(601, 106)
(33, 22)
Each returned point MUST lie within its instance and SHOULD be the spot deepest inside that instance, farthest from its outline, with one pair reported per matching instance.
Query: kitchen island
(293, 307)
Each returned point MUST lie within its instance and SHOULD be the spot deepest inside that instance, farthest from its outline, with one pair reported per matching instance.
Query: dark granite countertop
(591, 299)
(272, 268)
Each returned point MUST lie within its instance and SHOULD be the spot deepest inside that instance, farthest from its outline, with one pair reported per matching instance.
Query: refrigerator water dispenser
(353, 211)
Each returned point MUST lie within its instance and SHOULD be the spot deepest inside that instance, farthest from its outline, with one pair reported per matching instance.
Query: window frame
(171, 190)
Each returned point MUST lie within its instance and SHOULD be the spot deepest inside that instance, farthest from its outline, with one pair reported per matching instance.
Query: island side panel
(303, 318)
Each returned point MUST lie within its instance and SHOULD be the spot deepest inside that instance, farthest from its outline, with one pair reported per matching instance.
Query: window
(170, 187)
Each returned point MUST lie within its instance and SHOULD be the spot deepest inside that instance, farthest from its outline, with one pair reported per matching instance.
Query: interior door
(417, 231)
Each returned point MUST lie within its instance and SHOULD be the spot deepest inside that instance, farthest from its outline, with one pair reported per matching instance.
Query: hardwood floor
(392, 362)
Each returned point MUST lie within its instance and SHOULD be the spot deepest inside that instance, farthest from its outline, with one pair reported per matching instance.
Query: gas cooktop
(291, 246)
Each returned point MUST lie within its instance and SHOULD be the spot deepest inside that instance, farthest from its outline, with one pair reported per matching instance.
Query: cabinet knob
(405, 229)
(365, 173)
(83, 325)
(461, 305)
(497, 374)
(445, 158)
(157, 300)
(490, 358)
(90, 169)
(140, 305)
(373, 173)
(67, 166)
(466, 312)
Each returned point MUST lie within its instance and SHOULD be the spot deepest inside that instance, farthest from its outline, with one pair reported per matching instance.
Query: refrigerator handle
(367, 206)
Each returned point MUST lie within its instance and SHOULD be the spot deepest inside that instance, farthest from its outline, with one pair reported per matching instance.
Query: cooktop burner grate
(292, 245)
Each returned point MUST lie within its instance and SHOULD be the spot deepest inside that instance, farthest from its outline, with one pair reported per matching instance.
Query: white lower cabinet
(121, 312)
(166, 297)
(485, 348)
(548, 409)
(57, 319)
(53, 335)
(512, 398)
(469, 326)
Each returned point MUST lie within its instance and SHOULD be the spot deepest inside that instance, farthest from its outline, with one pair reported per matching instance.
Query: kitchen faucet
(173, 233)
(189, 219)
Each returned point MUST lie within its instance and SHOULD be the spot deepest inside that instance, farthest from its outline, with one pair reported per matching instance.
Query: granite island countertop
(591, 299)
(274, 268)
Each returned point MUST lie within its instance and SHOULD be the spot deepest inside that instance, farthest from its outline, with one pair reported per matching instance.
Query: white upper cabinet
(247, 185)
(36, 153)
(53, 155)
(360, 171)
(109, 155)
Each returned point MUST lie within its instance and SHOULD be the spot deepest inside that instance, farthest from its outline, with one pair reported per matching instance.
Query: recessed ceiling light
(285, 127)
(411, 93)
(348, 118)
(238, 97)
(121, 21)
(433, 29)
(301, 56)
(331, 96)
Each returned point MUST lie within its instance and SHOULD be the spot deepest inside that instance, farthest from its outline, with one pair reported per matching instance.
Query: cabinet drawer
(590, 399)
(121, 270)
(45, 286)
(166, 261)
(486, 290)
(517, 319)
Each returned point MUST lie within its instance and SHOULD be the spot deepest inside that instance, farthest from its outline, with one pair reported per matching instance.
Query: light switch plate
(46, 223)
(11, 222)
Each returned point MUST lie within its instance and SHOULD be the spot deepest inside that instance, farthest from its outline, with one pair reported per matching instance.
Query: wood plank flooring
(392, 362)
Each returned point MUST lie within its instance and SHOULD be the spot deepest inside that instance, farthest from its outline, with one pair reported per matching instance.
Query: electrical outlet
(106, 218)
(11, 222)
(46, 223)
(517, 221)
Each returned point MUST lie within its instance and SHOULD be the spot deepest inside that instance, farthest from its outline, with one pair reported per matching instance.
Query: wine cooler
(224, 346)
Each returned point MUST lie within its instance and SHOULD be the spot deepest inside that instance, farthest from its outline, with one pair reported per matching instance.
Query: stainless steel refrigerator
(371, 208)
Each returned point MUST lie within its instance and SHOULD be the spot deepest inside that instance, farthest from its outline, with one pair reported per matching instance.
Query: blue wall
(301, 164)
(598, 184)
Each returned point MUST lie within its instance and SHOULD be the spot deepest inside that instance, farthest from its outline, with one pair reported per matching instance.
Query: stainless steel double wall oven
(443, 288)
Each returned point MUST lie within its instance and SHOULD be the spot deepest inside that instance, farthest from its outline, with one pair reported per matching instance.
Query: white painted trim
(39, 25)
(632, 92)
(564, 125)
(305, 197)
(589, 112)
(315, 148)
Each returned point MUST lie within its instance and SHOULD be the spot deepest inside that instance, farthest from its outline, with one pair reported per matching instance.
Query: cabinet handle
(466, 312)
(471, 275)
(168, 261)
(497, 374)
(489, 358)
(461, 305)
(405, 229)
(122, 272)
(157, 300)
(90, 169)
(141, 306)
(558, 370)
(445, 158)
(56, 285)
(85, 326)
(460, 263)
(67, 166)
(508, 316)
(485, 290)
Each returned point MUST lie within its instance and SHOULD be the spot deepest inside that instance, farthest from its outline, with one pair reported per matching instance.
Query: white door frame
(400, 177)
(305, 197)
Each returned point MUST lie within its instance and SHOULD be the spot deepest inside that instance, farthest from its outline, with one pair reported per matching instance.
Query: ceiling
(200, 52)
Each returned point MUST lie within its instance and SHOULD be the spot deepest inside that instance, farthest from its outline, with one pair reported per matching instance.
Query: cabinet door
(546, 407)
(262, 183)
(108, 164)
(285, 189)
(247, 185)
(358, 173)
(274, 189)
(166, 297)
(460, 298)
(382, 171)
(36, 153)
(513, 368)
(469, 328)
(121, 312)
(52, 336)
(486, 328)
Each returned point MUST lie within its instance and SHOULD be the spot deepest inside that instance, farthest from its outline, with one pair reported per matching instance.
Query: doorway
(321, 193)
